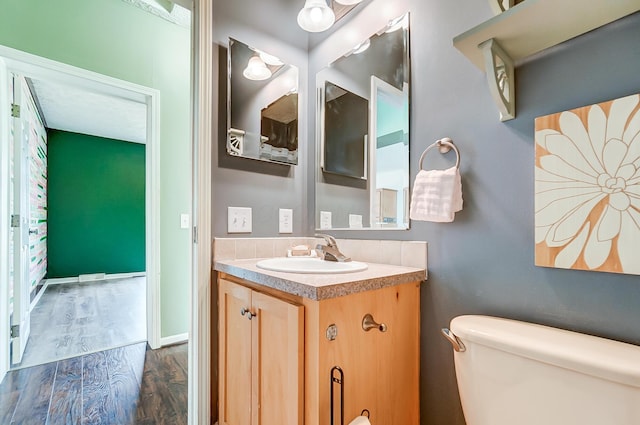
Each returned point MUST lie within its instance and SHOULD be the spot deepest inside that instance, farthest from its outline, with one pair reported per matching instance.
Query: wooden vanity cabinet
(259, 370)
(261, 358)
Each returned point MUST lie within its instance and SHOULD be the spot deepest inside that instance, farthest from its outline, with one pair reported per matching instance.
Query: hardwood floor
(78, 318)
(122, 386)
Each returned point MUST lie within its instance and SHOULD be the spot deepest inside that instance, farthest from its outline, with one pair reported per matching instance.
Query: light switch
(184, 221)
(285, 220)
(238, 220)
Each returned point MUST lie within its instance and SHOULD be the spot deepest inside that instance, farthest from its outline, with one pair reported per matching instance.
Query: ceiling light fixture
(256, 69)
(348, 2)
(396, 24)
(316, 16)
(361, 47)
(270, 59)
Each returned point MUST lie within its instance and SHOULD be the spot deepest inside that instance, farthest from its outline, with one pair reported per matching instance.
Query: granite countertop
(322, 286)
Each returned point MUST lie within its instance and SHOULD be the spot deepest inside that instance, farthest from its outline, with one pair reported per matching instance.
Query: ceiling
(81, 110)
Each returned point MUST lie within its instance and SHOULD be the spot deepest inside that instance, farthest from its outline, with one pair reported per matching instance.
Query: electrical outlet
(355, 221)
(285, 220)
(238, 220)
(325, 219)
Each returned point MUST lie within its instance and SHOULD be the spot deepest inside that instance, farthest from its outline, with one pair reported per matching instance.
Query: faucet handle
(329, 239)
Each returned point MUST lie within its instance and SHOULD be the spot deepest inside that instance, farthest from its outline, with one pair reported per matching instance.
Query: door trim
(34, 66)
(202, 288)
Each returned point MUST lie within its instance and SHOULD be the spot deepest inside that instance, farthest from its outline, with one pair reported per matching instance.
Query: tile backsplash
(399, 253)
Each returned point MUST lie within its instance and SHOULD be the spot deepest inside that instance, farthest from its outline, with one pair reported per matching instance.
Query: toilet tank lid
(605, 358)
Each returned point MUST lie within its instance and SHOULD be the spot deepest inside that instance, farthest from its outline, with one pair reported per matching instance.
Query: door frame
(202, 289)
(38, 67)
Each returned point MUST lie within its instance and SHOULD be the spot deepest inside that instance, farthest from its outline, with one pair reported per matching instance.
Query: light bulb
(316, 16)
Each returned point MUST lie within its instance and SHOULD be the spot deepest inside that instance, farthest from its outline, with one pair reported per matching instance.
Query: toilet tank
(517, 373)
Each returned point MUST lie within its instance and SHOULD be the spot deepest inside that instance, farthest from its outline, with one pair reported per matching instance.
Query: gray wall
(483, 262)
(241, 182)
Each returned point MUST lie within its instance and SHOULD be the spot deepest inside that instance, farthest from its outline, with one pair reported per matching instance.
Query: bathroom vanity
(281, 335)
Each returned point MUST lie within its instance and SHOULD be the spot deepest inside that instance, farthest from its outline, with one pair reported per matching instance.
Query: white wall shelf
(534, 25)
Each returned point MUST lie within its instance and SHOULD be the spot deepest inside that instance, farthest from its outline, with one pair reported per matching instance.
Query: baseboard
(174, 339)
(59, 280)
(76, 279)
(38, 295)
(91, 277)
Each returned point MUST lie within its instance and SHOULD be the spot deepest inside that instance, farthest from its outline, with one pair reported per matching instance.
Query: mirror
(345, 132)
(262, 101)
(362, 178)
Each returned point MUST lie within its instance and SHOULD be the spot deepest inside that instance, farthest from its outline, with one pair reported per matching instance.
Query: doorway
(36, 68)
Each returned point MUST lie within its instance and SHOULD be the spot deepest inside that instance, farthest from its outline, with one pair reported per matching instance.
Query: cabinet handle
(368, 323)
(244, 311)
(251, 315)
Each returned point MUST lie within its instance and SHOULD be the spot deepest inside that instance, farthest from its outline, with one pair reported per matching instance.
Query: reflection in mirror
(345, 132)
(279, 130)
(262, 106)
(363, 129)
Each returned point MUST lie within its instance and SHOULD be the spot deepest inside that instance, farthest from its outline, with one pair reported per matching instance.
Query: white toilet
(517, 373)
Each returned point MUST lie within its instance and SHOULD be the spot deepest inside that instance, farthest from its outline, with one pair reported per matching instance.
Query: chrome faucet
(330, 252)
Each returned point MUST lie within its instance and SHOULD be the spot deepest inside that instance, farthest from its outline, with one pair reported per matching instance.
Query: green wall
(96, 205)
(114, 38)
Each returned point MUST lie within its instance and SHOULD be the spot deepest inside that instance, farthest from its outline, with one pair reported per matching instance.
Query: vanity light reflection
(256, 69)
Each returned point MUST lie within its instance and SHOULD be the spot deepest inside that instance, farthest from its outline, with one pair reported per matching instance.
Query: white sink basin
(309, 265)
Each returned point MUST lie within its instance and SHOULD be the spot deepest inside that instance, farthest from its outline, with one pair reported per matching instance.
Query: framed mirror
(362, 178)
(262, 105)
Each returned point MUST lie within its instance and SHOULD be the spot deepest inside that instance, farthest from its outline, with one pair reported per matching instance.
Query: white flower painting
(587, 188)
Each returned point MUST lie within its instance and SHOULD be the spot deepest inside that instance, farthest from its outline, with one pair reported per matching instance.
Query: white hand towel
(360, 420)
(436, 195)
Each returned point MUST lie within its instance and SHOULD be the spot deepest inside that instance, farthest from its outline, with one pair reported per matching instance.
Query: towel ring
(444, 145)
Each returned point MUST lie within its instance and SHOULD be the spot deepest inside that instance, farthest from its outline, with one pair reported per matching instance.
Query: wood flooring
(79, 318)
(122, 386)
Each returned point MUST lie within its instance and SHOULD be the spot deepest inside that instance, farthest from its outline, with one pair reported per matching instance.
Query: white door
(20, 217)
(389, 114)
(5, 121)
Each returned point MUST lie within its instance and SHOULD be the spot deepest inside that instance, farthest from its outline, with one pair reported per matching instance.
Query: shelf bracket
(499, 6)
(501, 78)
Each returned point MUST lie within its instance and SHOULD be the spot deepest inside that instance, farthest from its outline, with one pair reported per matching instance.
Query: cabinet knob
(245, 311)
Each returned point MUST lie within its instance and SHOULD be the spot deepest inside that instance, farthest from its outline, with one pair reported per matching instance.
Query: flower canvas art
(587, 187)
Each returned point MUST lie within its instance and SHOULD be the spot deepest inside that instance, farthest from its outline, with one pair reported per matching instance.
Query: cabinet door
(381, 369)
(235, 354)
(278, 347)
